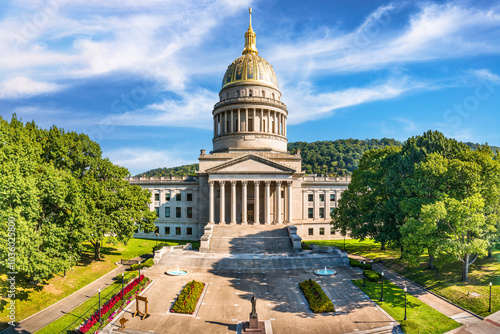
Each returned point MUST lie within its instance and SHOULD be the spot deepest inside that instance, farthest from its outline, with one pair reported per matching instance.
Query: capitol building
(249, 177)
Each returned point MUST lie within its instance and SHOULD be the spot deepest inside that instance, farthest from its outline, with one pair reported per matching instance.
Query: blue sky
(141, 77)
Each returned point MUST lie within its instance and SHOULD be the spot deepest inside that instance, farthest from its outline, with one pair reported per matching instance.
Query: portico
(238, 201)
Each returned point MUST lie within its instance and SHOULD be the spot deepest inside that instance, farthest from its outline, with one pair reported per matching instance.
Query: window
(218, 193)
(264, 125)
(189, 231)
(190, 212)
(178, 230)
(167, 229)
(273, 96)
(157, 230)
(321, 212)
(250, 92)
(321, 197)
(250, 124)
(263, 93)
(332, 230)
(331, 211)
(167, 212)
(310, 197)
(189, 197)
(178, 212)
(227, 95)
(157, 197)
(321, 231)
(178, 197)
(310, 213)
(157, 209)
(167, 197)
(310, 231)
(332, 197)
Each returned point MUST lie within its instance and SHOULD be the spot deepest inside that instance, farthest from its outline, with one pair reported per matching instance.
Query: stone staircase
(250, 239)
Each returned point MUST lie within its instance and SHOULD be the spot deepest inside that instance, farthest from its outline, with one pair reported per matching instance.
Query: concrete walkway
(467, 319)
(41, 319)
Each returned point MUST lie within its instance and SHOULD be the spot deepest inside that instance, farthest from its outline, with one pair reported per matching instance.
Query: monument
(254, 325)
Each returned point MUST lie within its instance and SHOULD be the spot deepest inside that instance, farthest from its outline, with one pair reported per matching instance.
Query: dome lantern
(250, 46)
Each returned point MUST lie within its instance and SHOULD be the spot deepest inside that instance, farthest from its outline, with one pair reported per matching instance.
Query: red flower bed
(109, 306)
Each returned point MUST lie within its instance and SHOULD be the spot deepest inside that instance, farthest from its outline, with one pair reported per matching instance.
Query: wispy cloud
(24, 87)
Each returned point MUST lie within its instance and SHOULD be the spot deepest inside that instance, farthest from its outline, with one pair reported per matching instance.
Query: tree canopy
(62, 193)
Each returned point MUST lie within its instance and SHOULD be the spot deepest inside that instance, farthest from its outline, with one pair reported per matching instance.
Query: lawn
(422, 319)
(33, 298)
(447, 284)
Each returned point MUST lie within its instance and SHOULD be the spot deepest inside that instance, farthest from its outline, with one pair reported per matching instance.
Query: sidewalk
(468, 320)
(44, 317)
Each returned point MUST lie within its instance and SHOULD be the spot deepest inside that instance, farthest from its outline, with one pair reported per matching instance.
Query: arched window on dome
(250, 92)
(273, 96)
(237, 93)
(227, 95)
(263, 93)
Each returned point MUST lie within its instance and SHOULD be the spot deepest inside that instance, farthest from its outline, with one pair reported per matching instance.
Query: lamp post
(382, 290)
(344, 243)
(489, 309)
(99, 291)
(405, 302)
(364, 276)
(123, 274)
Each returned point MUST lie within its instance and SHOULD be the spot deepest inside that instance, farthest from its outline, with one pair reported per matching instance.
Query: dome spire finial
(250, 37)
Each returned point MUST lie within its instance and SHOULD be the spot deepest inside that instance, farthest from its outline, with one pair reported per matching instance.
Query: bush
(373, 276)
(127, 277)
(188, 298)
(160, 246)
(316, 297)
(356, 263)
(146, 264)
(305, 245)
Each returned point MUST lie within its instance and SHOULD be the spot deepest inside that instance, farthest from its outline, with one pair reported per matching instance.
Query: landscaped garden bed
(113, 306)
(188, 298)
(316, 297)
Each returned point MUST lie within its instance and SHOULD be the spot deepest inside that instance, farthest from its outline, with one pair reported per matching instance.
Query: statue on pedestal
(254, 308)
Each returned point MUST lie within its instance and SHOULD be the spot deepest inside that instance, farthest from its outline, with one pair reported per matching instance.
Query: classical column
(233, 202)
(267, 208)
(239, 120)
(278, 203)
(246, 119)
(289, 187)
(222, 207)
(231, 126)
(211, 202)
(244, 203)
(256, 213)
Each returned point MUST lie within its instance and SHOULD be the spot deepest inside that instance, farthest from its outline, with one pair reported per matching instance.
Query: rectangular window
(167, 229)
(157, 209)
(189, 231)
(321, 197)
(178, 212)
(310, 197)
(331, 212)
(178, 197)
(321, 231)
(190, 212)
(332, 197)
(310, 231)
(321, 212)
(157, 230)
(189, 197)
(310, 213)
(178, 230)
(332, 230)
(157, 197)
(167, 212)
(167, 197)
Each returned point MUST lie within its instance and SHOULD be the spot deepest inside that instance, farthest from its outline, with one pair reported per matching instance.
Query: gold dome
(250, 66)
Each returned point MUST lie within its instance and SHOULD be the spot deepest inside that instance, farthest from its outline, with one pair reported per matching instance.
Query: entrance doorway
(250, 213)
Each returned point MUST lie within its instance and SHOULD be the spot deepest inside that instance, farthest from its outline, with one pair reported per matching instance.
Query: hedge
(356, 263)
(316, 297)
(188, 298)
(373, 276)
(160, 246)
(146, 264)
(127, 277)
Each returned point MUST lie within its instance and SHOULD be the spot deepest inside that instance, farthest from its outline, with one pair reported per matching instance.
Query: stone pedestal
(254, 326)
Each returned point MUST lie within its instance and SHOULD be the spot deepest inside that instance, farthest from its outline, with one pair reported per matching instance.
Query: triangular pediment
(250, 164)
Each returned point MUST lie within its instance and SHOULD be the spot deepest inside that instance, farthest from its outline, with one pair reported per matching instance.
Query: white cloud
(141, 159)
(486, 75)
(23, 87)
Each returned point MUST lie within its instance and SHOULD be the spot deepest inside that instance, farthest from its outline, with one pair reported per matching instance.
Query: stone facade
(248, 177)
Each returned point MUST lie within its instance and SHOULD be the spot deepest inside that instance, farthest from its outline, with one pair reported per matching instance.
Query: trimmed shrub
(160, 246)
(356, 263)
(146, 264)
(127, 277)
(373, 276)
(316, 297)
(305, 245)
(188, 298)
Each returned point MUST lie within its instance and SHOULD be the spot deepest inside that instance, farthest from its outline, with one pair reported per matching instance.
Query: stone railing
(167, 249)
(294, 238)
(326, 178)
(162, 178)
(205, 238)
(331, 250)
(246, 99)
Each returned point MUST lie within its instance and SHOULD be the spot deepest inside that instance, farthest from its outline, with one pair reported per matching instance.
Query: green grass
(422, 319)
(447, 284)
(33, 298)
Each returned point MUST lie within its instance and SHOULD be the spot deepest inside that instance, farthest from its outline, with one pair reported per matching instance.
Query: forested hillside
(331, 157)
